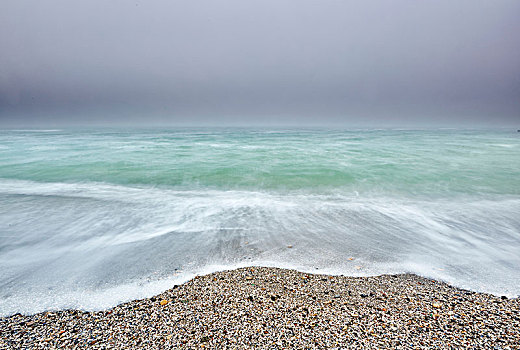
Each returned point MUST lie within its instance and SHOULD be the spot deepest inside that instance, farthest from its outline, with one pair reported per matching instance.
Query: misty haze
(345, 63)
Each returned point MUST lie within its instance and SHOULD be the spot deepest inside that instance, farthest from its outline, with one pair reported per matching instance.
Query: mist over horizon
(18, 123)
(270, 63)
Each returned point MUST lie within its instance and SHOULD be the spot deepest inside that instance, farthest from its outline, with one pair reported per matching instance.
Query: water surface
(93, 217)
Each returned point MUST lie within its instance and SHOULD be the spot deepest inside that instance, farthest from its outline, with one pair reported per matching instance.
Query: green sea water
(123, 213)
(406, 161)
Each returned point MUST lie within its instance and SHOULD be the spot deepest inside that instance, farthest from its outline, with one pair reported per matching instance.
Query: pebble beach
(260, 307)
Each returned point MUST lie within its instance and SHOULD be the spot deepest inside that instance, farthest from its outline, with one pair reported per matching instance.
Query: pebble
(282, 309)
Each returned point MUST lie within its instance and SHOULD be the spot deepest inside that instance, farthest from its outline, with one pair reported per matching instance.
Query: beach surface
(261, 307)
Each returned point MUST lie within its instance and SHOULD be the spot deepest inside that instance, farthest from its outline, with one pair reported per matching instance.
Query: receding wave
(92, 238)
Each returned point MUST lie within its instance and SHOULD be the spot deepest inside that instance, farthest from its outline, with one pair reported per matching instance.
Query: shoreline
(269, 307)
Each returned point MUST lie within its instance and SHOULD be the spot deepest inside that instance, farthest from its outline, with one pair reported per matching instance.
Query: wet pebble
(260, 307)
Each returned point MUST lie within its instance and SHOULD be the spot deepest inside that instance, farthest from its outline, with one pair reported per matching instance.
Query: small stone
(204, 339)
(399, 311)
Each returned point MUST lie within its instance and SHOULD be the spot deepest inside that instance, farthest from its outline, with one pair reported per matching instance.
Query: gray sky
(240, 62)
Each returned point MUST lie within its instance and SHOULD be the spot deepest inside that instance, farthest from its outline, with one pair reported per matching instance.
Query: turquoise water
(93, 217)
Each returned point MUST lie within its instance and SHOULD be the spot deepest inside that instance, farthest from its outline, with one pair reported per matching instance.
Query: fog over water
(283, 62)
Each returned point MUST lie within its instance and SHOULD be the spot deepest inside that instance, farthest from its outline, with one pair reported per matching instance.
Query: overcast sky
(241, 62)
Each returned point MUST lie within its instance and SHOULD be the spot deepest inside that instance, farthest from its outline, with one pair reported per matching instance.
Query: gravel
(259, 307)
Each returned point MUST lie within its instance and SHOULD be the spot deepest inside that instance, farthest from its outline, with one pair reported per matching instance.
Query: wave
(91, 218)
(90, 245)
(35, 130)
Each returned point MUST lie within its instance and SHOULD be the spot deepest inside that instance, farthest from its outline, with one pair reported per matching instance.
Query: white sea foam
(36, 130)
(504, 145)
(92, 247)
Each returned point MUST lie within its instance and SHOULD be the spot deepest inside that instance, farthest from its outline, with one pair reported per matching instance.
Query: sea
(93, 217)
